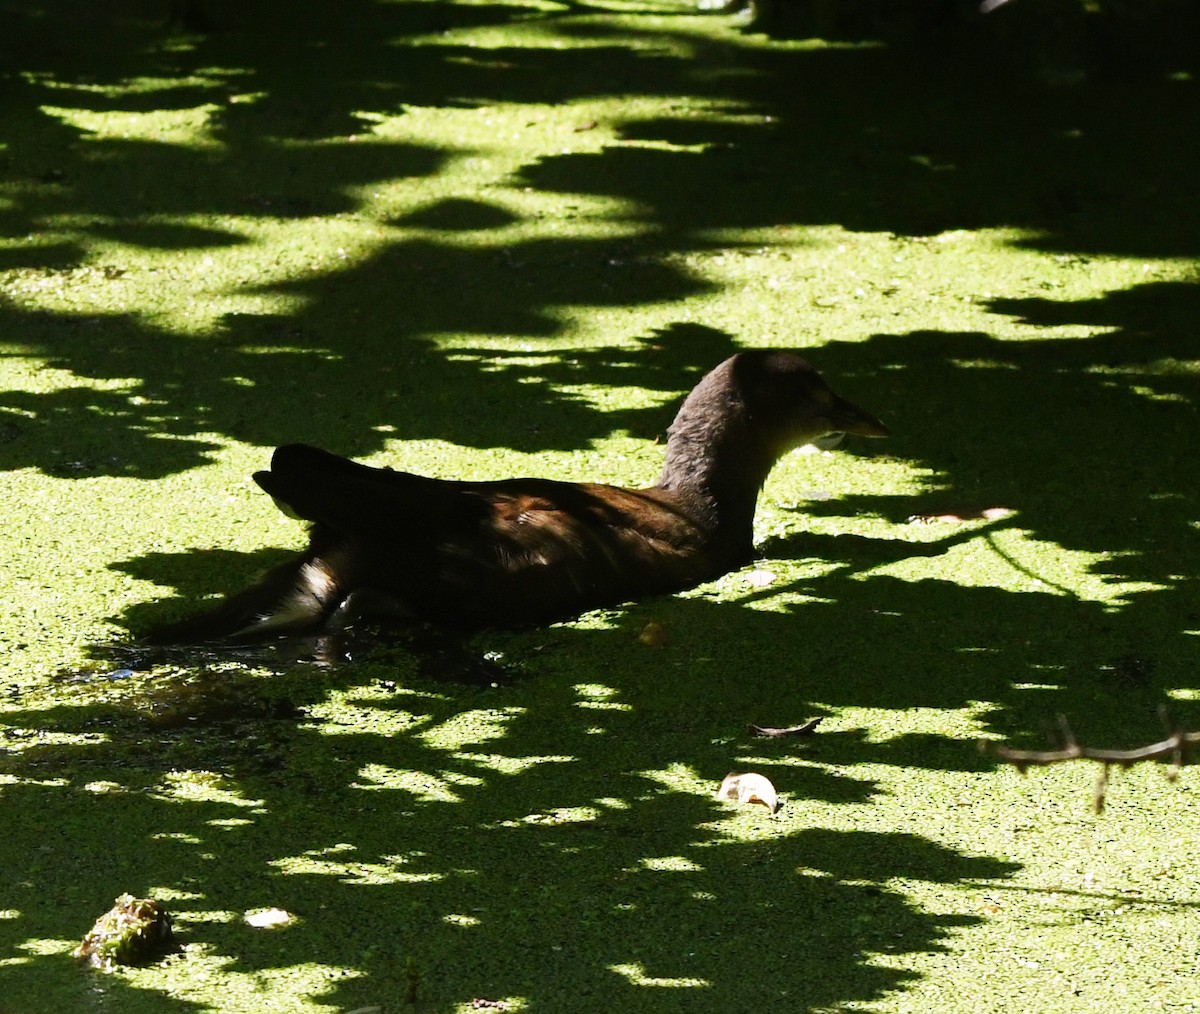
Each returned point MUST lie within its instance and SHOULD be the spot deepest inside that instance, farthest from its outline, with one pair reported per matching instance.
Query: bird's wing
(550, 549)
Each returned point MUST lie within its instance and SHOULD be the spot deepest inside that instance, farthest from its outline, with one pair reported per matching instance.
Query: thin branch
(1176, 748)
(807, 729)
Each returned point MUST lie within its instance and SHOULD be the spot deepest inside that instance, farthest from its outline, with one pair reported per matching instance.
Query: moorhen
(516, 552)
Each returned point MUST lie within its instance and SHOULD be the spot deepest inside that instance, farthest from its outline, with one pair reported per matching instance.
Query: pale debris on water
(268, 918)
(749, 787)
(760, 578)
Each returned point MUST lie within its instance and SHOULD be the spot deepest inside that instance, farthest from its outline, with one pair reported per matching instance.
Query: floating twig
(807, 729)
(1177, 748)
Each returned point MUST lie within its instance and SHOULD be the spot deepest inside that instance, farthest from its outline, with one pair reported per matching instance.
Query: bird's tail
(296, 597)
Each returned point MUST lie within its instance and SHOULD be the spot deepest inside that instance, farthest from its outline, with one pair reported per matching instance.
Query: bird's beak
(846, 417)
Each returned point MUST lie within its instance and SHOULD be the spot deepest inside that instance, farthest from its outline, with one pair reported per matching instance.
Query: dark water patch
(430, 653)
(426, 652)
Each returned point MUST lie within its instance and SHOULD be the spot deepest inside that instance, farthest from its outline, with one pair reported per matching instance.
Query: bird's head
(788, 403)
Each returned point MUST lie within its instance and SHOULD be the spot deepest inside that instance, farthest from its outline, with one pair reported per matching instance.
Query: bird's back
(507, 552)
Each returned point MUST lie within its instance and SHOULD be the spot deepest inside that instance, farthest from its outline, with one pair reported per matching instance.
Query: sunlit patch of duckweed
(469, 728)
(341, 863)
(422, 786)
(636, 974)
(203, 786)
(672, 864)
(599, 697)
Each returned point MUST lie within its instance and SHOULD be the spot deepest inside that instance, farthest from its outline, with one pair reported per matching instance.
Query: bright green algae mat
(480, 240)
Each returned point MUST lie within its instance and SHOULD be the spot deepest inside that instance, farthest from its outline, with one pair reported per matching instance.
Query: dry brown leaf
(749, 787)
(654, 635)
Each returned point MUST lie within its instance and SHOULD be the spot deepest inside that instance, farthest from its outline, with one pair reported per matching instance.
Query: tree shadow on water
(555, 839)
(762, 137)
(539, 854)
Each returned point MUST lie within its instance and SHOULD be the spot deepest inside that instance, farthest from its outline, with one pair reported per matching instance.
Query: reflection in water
(438, 655)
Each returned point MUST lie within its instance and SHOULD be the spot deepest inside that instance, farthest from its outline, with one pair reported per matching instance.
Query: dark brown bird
(529, 551)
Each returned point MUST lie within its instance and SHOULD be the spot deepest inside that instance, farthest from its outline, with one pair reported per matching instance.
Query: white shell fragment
(268, 918)
(749, 787)
(760, 578)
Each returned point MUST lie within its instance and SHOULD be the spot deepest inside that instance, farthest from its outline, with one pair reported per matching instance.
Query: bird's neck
(716, 465)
